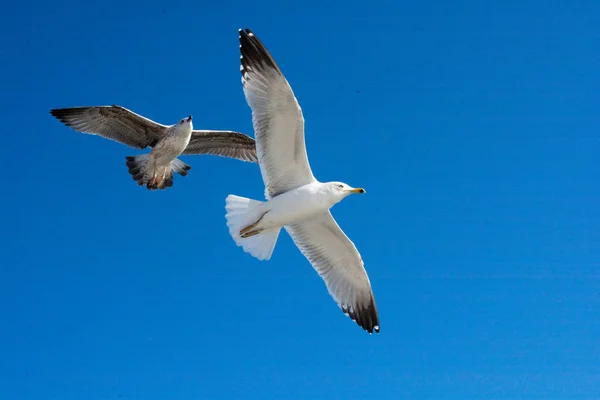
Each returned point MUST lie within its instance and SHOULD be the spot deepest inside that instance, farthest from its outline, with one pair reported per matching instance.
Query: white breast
(296, 205)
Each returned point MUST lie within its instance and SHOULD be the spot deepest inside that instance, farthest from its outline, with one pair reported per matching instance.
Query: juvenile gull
(155, 169)
(296, 201)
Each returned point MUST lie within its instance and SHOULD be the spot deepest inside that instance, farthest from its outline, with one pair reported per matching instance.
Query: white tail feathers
(145, 172)
(242, 212)
(180, 167)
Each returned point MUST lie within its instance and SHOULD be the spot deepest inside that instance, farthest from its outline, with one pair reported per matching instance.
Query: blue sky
(473, 126)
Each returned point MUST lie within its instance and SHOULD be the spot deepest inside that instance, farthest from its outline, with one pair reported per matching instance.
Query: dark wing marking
(112, 122)
(276, 117)
(338, 262)
(222, 143)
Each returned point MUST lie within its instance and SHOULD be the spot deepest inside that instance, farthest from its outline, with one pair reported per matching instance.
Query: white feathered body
(296, 205)
(267, 218)
(296, 200)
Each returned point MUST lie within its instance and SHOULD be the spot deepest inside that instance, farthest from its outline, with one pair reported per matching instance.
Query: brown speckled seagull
(155, 169)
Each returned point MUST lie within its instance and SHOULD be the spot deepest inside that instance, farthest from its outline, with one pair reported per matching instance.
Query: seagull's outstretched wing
(337, 261)
(222, 143)
(277, 119)
(112, 122)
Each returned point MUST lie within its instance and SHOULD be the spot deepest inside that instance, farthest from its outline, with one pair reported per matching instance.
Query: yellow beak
(358, 190)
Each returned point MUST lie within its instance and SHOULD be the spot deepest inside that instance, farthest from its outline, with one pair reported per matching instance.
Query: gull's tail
(242, 214)
(154, 177)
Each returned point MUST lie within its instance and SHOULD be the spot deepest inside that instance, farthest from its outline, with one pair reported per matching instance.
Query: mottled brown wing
(112, 122)
(223, 143)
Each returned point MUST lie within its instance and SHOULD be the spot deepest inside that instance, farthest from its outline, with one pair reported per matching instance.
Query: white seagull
(155, 169)
(296, 201)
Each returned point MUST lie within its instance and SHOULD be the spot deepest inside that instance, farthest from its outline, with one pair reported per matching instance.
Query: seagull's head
(342, 190)
(185, 123)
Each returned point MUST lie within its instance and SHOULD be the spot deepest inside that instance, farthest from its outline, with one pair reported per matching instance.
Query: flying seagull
(296, 201)
(155, 169)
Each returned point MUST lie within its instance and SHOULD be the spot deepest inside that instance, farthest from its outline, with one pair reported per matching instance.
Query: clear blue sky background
(474, 128)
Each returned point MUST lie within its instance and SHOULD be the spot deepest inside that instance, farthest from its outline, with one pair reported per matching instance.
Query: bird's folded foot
(249, 231)
(152, 183)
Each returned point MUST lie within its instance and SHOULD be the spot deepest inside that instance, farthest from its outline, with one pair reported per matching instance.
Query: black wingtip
(254, 54)
(62, 114)
(366, 317)
(58, 112)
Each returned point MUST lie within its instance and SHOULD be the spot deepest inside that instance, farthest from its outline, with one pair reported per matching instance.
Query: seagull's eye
(341, 186)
